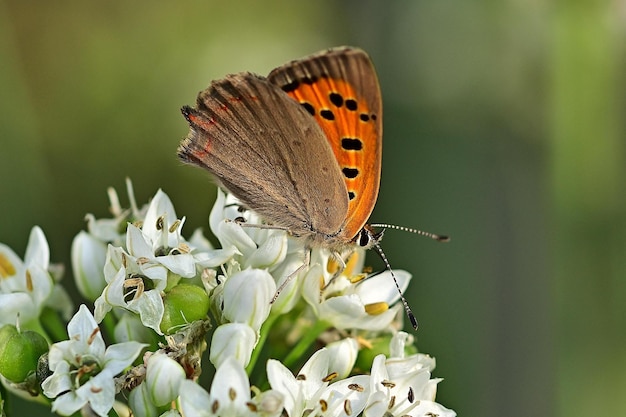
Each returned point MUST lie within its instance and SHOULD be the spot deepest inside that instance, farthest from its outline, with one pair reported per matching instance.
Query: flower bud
(343, 354)
(247, 296)
(183, 304)
(88, 258)
(140, 402)
(232, 340)
(19, 352)
(163, 378)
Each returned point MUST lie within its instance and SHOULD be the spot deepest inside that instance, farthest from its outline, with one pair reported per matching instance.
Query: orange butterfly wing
(340, 89)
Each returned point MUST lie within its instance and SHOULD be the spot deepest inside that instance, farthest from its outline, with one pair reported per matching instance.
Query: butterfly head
(367, 237)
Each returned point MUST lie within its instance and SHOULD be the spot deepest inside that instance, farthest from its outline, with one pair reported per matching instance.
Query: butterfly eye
(366, 238)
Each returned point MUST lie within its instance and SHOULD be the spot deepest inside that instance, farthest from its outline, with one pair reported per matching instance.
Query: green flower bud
(19, 352)
(183, 304)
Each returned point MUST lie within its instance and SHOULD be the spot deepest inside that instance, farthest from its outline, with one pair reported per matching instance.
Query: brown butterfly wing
(340, 89)
(269, 152)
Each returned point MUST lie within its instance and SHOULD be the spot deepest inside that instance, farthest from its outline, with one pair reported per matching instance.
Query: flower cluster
(251, 301)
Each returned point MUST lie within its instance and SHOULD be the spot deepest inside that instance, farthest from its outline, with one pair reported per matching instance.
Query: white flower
(133, 287)
(229, 396)
(257, 247)
(407, 381)
(352, 301)
(311, 391)
(155, 254)
(83, 368)
(25, 286)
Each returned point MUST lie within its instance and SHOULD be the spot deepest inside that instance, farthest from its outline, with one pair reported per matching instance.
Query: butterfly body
(302, 147)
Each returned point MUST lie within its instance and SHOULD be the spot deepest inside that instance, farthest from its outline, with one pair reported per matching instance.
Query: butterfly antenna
(405, 303)
(438, 238)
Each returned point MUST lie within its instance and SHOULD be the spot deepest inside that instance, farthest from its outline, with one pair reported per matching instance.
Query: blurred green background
(504, 127)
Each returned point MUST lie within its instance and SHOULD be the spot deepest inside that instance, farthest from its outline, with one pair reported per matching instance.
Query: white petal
(14, 304)
(41, 284)
(200, 242)
(37, 251)
(60, 354)
(137, 243)
(429, 408)
(121, 355)
(101, 307)
(214, 257)
(378, 373)
(236, 340)
(114, 292)
(231, 388)
(114, 262)
(282, 380)
(247, 296)
(271, 252)
(313, 372)
(381, 287)
(183, 264)
(194, 400)
(348, 312)
(231, 234)
(397, 344)
(270, 403)
(156, 272)
(376, 405)
(140, 402)
(339, 392)
(163, 378)
(290, 294)
(10, 266)
(105, 230)
(311, 287)
(217, 212)
(100, 392)
(88, 260)
(83, 329)
(67, 404)
(60, 381)
(161, 205)
(343, 354)
(150, 308)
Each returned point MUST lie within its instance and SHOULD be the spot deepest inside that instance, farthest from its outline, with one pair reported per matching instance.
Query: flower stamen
(330, 377)
(6, 267)
(29, 281)
(374, 309)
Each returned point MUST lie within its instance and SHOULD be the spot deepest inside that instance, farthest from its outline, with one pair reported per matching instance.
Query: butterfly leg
(341, 265)
(306, 262)
(241, 222)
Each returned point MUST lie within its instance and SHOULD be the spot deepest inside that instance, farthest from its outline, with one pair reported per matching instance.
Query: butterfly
(301, 147)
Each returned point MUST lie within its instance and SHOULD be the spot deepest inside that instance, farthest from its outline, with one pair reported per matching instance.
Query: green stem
(108, 325)
(265, 330)
(54, 327)
(303, 344)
